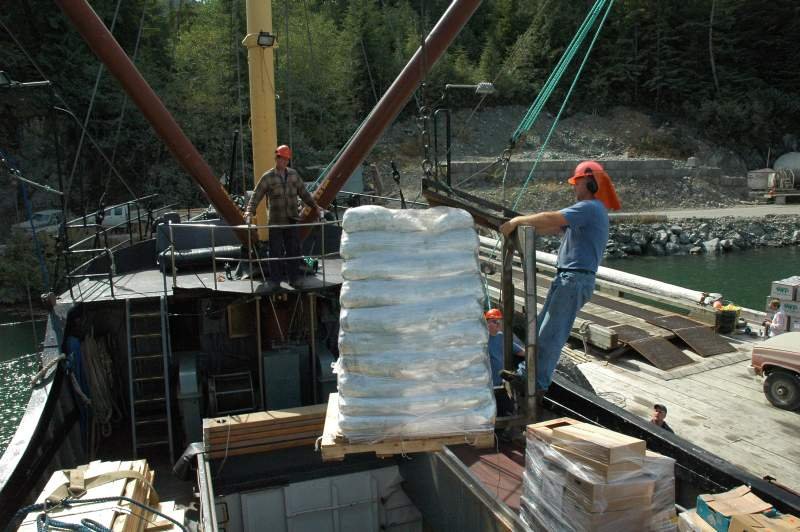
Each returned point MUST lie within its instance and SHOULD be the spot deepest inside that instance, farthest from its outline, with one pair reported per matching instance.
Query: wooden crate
(119, 516)
(335, 447)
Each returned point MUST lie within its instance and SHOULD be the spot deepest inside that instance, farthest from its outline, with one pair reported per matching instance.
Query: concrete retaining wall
(560, 169)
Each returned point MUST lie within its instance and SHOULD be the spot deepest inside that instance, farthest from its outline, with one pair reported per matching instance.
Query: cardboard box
(794, 324)
(544, 430)
(597, 443)
(555, 482)
(784, 289)
(631, 519)
(717, 509)
(762, 523)
(607, 472)
(791, 308)
(609, 497)
(691, 522)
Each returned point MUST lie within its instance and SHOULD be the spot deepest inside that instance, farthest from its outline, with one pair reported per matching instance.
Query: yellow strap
(77, 485)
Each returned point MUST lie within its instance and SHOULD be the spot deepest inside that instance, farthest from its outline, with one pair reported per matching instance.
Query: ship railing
(253, 257)
(138, 224)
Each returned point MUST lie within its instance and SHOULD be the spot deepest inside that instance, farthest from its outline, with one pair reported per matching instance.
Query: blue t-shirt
(496, 355)
(584, 242)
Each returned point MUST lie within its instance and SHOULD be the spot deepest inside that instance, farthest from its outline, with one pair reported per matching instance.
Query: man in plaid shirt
(282, 186)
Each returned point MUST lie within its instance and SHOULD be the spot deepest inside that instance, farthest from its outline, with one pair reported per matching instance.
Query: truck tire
(782, 389)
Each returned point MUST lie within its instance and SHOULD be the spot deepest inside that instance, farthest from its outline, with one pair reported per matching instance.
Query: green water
(742, 277)
(18, 363)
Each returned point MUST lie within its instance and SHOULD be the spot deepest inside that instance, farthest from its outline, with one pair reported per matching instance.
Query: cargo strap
(77, 484)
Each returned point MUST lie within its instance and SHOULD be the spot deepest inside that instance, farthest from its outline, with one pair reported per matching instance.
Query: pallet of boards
(334, 446)
(583, 478)
(259, 432)
(98, 480)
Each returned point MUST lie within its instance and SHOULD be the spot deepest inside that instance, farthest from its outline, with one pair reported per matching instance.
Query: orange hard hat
(493, 314)
(604, 189)
(283, 151)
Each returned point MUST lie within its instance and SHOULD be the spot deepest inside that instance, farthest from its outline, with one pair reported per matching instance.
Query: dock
(712, 398)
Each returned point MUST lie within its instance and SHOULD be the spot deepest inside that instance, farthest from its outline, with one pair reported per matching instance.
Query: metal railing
(99, 247)
(253, 257)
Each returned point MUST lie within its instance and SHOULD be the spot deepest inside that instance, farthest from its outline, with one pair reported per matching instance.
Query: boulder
(711, 246)
(696, 250)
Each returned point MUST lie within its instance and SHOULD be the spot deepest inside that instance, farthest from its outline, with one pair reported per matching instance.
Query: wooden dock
(334, 447)
(712, 400)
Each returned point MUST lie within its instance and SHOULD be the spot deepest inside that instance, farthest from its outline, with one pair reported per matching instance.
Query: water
(743, 278)
(15, 372)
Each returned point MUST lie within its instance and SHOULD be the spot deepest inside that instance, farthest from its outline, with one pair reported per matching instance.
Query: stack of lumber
(259, 432)
(335, 446)
(98, 480)
(588, 478)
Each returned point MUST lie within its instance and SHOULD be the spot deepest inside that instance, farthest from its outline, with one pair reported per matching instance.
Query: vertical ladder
(148, 370)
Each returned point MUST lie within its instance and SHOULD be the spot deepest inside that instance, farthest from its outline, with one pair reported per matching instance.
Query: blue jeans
(568, 293)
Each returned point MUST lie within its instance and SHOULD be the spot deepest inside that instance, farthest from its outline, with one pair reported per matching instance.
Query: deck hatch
(700, 338)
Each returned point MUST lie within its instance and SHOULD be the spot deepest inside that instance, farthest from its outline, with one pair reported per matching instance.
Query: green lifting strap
(555, 76)
(581, 34)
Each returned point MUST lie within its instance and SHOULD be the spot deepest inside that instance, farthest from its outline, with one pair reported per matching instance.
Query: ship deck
(153, 283)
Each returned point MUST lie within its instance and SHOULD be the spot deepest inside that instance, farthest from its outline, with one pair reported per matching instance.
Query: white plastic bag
(434, 220)
(382, 292)
(431, 264)
(411, 318)
(354, 245)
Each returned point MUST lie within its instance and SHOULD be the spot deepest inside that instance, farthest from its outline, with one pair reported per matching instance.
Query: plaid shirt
(282, 193)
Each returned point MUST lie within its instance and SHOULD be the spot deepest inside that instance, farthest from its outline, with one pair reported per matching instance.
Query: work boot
(516, 381)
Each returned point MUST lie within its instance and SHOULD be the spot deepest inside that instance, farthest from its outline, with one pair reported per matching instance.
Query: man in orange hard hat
(585, 233)
(494, 323)
(282, 186)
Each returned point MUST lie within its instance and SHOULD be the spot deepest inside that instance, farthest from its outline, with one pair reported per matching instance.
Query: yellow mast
(260, 59)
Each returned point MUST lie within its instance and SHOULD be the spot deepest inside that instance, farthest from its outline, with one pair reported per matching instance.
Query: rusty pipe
(393, 101)
(108, 50)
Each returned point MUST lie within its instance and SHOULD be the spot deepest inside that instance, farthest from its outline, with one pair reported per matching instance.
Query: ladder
(148, 371)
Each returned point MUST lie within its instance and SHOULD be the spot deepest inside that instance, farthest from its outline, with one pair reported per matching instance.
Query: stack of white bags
(413, 344)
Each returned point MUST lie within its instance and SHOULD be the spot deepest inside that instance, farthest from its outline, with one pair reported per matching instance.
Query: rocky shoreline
(695, 236)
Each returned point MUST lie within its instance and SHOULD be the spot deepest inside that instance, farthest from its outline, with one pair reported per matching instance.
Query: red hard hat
(585, 168)
(493, 314)
(605, 191)
(283, 151)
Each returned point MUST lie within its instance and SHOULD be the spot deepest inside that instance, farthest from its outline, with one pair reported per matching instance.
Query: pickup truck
(778, 359)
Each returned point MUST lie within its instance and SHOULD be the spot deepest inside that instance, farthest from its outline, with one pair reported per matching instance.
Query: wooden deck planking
(718, 411)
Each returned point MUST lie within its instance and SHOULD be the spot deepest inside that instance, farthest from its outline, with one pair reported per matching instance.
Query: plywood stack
(263, 431)
(97, 480)
(585, 478)
(788, 292)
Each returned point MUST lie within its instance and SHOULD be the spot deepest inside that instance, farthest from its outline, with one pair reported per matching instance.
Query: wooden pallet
(259, 432)
(335, 447)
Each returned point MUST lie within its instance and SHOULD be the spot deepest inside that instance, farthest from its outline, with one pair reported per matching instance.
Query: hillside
(622, 133)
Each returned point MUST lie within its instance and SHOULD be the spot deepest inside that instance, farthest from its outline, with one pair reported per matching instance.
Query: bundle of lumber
(595, 479)
(259, 432)
(101, 480)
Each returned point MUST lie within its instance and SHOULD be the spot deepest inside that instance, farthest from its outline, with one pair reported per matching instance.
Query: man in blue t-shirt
(585, 228)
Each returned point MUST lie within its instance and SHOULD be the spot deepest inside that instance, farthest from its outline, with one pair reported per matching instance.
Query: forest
(727, 67)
